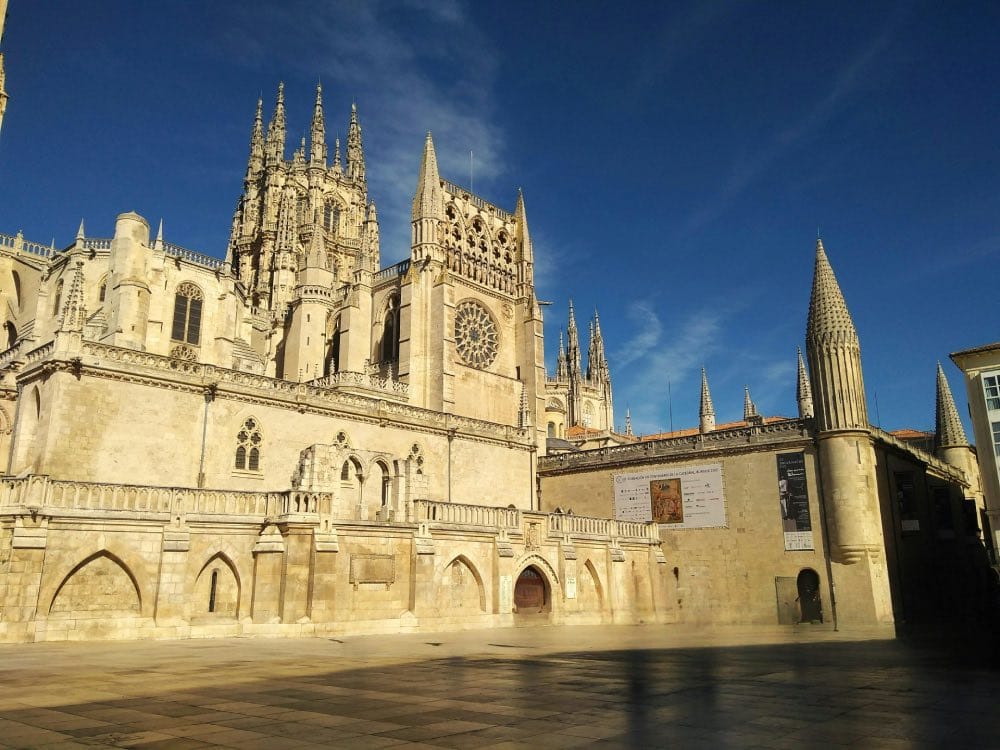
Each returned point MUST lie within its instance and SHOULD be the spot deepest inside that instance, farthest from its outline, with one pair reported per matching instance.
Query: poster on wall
(689, 497)
(793, 497)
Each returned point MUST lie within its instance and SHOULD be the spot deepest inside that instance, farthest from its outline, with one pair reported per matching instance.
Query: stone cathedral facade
(298, 440)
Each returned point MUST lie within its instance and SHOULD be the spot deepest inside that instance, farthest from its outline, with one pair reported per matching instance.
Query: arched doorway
(810, 603)
(531, 593)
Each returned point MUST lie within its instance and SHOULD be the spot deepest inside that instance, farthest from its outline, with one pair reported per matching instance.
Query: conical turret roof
(828, 313)
(948, 429)
(428, 201)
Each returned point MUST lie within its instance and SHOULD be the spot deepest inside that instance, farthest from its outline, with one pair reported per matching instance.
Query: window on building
(991, 384)
(390, 331)
(187, 314)
(331, 216)
(102, 291)
(996, 437)
(248, 445)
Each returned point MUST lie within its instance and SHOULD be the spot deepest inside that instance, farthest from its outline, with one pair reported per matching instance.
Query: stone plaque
(506, 593)
(373, 569)
(570, 588)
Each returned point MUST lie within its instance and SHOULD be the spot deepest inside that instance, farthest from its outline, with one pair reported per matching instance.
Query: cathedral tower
(846, 451)
(290, 208)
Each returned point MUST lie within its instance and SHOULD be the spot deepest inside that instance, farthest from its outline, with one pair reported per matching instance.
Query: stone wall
(85, 560)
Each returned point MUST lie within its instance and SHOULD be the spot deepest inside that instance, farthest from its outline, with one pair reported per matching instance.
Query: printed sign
(685, 497)
(793, 498)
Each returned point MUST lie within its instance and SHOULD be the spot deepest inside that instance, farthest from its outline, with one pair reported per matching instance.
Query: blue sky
(676, 159)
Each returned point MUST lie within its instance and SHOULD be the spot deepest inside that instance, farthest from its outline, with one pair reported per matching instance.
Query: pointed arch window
(187, 314)
(249, 442)
(390, 331)
(331, 217)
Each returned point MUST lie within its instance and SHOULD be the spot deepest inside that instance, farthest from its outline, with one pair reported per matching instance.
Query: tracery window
(331, 216)
(248, 446)
(187, 314)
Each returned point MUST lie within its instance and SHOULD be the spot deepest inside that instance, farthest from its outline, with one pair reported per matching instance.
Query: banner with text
(793, 497)
(689, 497)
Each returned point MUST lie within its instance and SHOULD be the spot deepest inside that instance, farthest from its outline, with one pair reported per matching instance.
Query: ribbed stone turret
(834, 354)
(948, 432)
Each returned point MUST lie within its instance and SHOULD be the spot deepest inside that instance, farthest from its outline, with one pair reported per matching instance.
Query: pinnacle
(948, 430)
(749, 408)
(803, 390)
(706, 408)
(828, 313)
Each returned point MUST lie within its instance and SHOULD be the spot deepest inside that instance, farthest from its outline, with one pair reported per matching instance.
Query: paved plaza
(544, 687)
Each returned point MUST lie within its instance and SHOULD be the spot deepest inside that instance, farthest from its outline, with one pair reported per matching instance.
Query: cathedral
(295, 440)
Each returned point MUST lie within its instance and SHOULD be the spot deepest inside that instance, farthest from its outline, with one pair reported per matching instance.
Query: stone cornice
(786, 435)
(116, 363)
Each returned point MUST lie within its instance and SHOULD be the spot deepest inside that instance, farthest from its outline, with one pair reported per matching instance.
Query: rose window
(476, 336)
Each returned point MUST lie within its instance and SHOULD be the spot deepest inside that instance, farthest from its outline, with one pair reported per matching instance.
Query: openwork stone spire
(276, 128)
(317, 132)
(948, 429)
(834, 354)
(355, 151)
(73, 311)
(706, 412)
(803, 391)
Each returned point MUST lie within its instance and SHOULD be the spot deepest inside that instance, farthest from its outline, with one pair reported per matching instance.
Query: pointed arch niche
(463, 592)
(217, 589)
(100, 586)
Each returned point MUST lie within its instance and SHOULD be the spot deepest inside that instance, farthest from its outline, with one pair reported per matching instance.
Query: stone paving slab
(546, 687)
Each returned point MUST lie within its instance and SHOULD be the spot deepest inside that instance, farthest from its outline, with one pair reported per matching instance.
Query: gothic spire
(428, 202)
(355, 151)
(561, 367)
(749, 407)
(370, 238)
(628, 422)
(158, 243)
(79, 232)
(523, 237)
(256, 160)
(276, 128)
(317, 133)
(948, 430)
(803, 391)
(573, 351)
(337, 168)
(706, 412)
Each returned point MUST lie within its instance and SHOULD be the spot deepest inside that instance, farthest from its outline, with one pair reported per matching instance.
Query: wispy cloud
(747, 169)
(653, 361)
(412, 66)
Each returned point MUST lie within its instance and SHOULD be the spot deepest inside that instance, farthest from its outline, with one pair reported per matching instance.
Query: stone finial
(948, 430)
(706, 412)
(158, 243)
(749, 407)
(628, 422)
(561, 364)
(337, 168)
(803, 390)
(80, 235)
